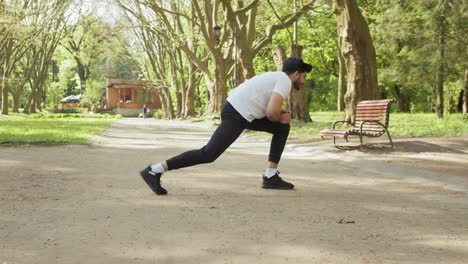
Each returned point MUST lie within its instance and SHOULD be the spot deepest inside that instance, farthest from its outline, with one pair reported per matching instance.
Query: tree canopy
(52, 49)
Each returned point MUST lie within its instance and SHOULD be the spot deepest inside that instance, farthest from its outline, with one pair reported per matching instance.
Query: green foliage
(406, 37)
(50, 131)
(404, 34)
(99, 50)
(69, 110)
(158, 113)
(94, 93)
(317, 34)
(55, 94)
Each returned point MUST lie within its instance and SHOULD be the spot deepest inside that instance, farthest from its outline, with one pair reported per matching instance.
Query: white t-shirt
(251, 98)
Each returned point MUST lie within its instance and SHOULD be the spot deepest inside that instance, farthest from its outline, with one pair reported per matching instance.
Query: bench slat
(386, 101)
(371, 116)
(372, 107)
(370, 111)
(359, 122)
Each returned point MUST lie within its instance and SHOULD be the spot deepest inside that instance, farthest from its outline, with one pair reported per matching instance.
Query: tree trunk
(5, 89)
(465, 95)
(162, 99)
(218, 93)
(358, 52)
(29, 102)
(439, 83)
(32, 106)
(39, 96)
(190, 93)
(246, 65)
(7, 68)
(170, 108)
(179, 103)
(341, 80)
(297, 103)
(176, 85)
(16, 101)
(279, 56)
(166, 101)
(402, 102)
(82, 73)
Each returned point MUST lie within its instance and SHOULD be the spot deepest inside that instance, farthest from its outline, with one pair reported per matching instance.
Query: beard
(297, 84)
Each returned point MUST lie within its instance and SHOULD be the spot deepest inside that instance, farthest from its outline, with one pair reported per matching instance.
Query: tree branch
(288, 20)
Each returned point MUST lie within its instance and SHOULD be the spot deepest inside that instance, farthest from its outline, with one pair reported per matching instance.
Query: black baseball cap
(295, 64)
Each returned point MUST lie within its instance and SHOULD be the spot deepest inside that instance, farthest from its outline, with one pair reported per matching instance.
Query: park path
(86, 203)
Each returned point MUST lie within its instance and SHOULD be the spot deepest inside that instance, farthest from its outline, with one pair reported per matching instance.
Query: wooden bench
(372, 118)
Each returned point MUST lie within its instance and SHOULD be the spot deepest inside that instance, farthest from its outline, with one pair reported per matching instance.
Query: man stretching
(255, 105)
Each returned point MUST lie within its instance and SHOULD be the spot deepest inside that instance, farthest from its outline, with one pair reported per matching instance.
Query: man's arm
(274, 111)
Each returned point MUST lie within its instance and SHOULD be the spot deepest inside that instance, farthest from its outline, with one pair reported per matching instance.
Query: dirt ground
(87, 203)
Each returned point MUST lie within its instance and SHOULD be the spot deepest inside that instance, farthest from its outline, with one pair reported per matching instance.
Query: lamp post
(217, 31)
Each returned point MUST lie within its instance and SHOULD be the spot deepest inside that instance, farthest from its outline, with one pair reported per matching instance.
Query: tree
(465, 94)
(421, 48)
(244, 21)
(54, 23)
(441, 30)
(15, 40)
(87, 39)
(215, 61)
(357, 49)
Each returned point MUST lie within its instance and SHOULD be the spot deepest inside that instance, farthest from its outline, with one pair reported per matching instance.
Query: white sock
(157, 168)
(270, 172)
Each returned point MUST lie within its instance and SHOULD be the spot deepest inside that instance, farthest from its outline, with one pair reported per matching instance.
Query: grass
(46, 128)
(401, 125)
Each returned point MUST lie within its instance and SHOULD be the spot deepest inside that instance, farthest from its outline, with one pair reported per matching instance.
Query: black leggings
(231, 127)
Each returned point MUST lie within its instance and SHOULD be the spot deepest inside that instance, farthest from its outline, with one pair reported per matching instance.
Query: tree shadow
(415, 146)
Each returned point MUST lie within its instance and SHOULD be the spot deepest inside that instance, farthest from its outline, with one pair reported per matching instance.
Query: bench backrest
(378, 110)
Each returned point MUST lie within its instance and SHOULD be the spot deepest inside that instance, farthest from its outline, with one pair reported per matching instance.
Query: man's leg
(227, 132)
(280, 136)
(271, 179)
(232, 125)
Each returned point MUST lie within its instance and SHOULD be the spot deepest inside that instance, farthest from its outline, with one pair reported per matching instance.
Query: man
(256, 105)
(145, 111)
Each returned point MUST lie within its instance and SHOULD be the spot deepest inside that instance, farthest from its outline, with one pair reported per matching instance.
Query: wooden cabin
(127, 97)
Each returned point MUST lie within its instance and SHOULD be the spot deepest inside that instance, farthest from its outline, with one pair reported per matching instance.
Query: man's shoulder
(275, 73)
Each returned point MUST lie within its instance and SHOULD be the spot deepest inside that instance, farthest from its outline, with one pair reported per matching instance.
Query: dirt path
(86, 204)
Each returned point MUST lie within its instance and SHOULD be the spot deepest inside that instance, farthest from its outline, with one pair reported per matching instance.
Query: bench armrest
(373, 121)
(342, 122)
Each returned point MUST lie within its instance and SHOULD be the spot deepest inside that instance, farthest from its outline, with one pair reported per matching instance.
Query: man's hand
(285, 116)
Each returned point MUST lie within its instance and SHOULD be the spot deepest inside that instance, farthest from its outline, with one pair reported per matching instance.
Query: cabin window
(144, 96)
(126, 95)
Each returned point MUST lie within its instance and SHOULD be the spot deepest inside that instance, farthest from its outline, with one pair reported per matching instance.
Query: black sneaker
(153, 180)
(275, 182)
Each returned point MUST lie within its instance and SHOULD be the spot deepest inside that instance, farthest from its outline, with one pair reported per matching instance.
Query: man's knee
(210, 156)
(284, 128)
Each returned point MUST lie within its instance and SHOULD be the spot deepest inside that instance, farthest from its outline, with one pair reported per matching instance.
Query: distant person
(255, 105)
(145, 111)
